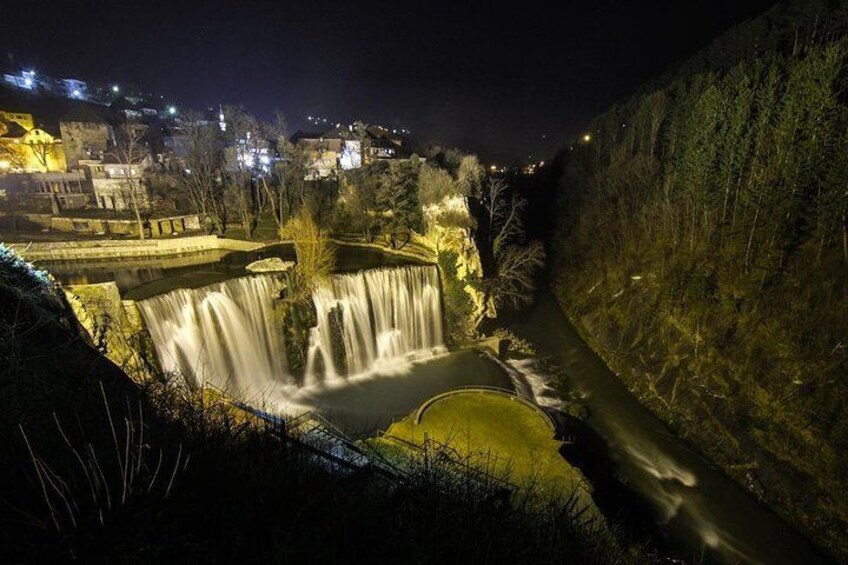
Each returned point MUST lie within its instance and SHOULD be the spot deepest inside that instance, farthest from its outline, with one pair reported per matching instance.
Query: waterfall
(224, 334)
(228, 335)
(380, 316)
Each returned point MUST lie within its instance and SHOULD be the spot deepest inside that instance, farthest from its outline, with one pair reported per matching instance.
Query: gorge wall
(702, 249)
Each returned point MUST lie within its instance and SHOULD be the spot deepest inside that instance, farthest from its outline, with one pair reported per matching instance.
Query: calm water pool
(143, 277)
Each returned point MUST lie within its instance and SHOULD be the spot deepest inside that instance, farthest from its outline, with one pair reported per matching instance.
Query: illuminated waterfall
(228, 335)
(381, 316)
(224, 334)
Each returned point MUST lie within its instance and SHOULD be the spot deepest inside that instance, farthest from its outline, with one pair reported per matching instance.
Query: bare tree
(284, 188)
(504, 210)
(131, 152)
(516, 265)
(247, 137)
(202, 181)
(515, 260)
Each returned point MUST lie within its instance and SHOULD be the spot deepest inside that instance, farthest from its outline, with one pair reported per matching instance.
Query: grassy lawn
(266, 230)
(497, 432)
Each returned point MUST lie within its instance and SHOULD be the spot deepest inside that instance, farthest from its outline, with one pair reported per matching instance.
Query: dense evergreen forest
(701, 244)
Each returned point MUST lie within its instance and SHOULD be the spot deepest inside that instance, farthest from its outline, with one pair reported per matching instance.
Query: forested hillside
(702, 247)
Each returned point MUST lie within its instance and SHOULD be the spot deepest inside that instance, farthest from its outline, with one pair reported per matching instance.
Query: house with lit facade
(321, 152)
(114, 184)
(27, 148)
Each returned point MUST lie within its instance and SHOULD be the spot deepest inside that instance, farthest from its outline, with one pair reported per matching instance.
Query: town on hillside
(106, 160)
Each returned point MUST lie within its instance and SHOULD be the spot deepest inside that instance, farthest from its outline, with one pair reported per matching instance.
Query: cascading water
(381, 316)
(227, 334)
(224, 334)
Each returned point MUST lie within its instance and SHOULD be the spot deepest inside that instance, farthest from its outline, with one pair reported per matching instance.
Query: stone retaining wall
(112, 248)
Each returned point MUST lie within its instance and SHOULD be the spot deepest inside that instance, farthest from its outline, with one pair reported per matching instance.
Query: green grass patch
(502, 434)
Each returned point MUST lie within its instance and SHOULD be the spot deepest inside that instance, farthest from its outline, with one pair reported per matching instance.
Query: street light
(587, 138)
(172, 110)
(115, 88)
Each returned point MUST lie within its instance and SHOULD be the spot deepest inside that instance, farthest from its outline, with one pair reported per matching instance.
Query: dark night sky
(507, 81)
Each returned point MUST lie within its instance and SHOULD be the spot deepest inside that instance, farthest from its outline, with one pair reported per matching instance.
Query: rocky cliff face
(114, 326)
(449, 224)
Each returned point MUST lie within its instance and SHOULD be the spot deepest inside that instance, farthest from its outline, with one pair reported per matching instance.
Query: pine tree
(398, 202)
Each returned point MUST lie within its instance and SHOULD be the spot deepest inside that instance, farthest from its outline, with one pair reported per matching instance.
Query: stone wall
(158, 226)
(109, 248)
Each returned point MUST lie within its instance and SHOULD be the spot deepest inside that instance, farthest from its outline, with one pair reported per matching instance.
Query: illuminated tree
(470, 176)
(315, 252)
(434, 184)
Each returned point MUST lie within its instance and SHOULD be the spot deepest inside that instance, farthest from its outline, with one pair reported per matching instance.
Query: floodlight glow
(76, 93)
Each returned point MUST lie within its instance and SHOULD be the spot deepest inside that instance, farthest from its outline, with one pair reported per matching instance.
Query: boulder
(270, 265)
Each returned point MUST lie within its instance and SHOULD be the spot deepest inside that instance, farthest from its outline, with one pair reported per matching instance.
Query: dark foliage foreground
(96, 469)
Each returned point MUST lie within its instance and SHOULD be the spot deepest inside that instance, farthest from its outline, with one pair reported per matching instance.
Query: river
(702, 513)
